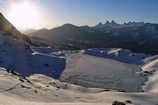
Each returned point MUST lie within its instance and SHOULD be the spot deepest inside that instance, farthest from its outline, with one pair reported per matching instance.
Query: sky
(54, 13)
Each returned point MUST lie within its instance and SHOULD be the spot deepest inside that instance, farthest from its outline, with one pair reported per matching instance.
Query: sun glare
(25, 15)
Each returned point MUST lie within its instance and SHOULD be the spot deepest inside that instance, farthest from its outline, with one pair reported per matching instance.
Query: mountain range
(32, 72)
(136, 36)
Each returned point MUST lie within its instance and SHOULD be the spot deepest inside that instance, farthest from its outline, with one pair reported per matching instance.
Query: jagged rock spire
(107, 22)
(113, 22)
(100, 23)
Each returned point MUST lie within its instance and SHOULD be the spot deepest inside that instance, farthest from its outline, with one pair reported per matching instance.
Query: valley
(34, 74)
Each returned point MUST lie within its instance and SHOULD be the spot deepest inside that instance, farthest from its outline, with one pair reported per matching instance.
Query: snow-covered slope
(43, 90)
(10, 43)
(90, 71)
(98, 75)
(110, 68)
(118, 54)
(17, 55)
(151, 66)
(89, 68)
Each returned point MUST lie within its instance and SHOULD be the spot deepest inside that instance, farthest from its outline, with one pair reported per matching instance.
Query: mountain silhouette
(136, 36)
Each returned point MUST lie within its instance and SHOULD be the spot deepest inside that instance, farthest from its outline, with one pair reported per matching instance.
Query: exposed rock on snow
(118, 103)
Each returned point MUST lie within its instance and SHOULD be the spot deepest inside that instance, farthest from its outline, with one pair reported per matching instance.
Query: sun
(25, 15)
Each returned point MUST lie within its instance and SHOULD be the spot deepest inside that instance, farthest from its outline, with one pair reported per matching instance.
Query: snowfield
(17, 55)
(118, 54)
(43, 90)
(90, 71)
(83, 68)
(152, 66)
(32, 75)
(88, 76)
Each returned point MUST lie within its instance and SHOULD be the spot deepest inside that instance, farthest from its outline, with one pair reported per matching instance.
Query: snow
(44, 76)
(90, 71)
(89, 76)
(152, 66)
(119, 54)
(81, 67)
(89, 68)
(16, 55)
(43, 90)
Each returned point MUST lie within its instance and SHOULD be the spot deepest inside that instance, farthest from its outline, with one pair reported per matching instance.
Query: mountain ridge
(136, 36)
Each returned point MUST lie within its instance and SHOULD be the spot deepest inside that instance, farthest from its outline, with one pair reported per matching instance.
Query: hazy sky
(90, 12)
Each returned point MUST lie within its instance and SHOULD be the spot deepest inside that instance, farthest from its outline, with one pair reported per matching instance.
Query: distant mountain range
(81, 76)
(137, 36)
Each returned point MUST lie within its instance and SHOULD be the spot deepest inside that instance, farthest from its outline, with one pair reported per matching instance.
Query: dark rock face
(129, 101)
(118, 103)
